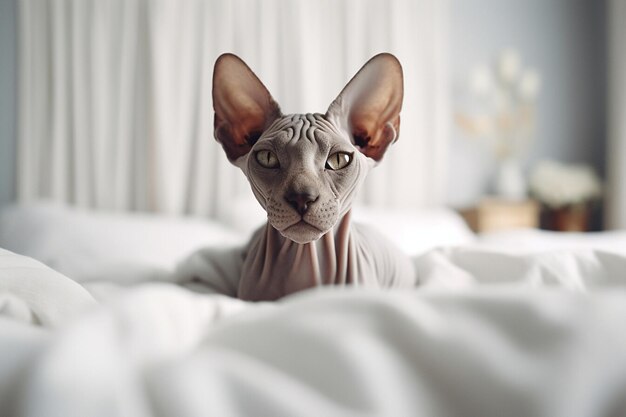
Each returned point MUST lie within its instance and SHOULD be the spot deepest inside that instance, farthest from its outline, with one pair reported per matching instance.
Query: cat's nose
(301, 201)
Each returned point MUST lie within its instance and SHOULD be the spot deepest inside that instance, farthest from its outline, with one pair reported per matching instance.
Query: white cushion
(417, 231)
(88, 245)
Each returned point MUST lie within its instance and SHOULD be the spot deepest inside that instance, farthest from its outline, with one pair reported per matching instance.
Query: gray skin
(305, 171)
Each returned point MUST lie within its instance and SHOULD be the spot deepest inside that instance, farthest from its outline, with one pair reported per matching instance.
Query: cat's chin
(302, 232)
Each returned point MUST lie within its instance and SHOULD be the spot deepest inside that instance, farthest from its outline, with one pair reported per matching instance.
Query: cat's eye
(267, 159)
(338, 160)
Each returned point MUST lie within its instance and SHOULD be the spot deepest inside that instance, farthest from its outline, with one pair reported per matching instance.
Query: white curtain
(115, 95)
(616, 157)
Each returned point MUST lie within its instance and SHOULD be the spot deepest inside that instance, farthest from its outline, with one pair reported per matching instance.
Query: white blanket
(574, 269)
(33, 293)
(500, 344)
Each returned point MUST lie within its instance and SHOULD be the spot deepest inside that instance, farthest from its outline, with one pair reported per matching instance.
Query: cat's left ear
(369, 105)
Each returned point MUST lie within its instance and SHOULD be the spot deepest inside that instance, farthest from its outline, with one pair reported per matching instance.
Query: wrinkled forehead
(298, 128)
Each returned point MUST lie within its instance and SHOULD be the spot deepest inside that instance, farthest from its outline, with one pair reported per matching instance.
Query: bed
(521, 323)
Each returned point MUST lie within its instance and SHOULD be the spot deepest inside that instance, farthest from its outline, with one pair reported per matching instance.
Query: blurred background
(512, 113)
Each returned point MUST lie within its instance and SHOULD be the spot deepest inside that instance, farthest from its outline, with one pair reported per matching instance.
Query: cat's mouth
(302, 232)
(305, 224)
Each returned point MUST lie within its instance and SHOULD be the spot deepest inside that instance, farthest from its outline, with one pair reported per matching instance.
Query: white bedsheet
(495, 348)
(537, 241)
(577, 269)
(511, 324)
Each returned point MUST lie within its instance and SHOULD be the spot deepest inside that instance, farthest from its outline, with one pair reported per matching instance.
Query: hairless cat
(305, 170)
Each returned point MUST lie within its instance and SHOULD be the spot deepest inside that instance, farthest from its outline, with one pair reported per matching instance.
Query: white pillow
(245, 215)
(122, 247)
(417, 231)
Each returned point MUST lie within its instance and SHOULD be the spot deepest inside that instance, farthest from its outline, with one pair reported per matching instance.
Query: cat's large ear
(369, 105)
(243, 106)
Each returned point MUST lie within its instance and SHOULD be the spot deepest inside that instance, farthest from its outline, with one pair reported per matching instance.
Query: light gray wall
(8, 60)
(565, 41)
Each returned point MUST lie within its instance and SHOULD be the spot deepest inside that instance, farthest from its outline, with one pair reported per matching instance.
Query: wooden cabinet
(493, 214)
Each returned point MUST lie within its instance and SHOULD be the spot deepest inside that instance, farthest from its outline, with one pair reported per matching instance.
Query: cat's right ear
(243, 106)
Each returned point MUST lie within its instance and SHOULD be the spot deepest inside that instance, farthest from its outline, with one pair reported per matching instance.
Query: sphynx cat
(305, 170)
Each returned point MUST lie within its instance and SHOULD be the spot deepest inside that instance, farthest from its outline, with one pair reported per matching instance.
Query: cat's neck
(278, 266)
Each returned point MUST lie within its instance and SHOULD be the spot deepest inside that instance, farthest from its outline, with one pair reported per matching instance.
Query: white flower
(529, 85)
(481, 80)
(509, 65)
(558, 185)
